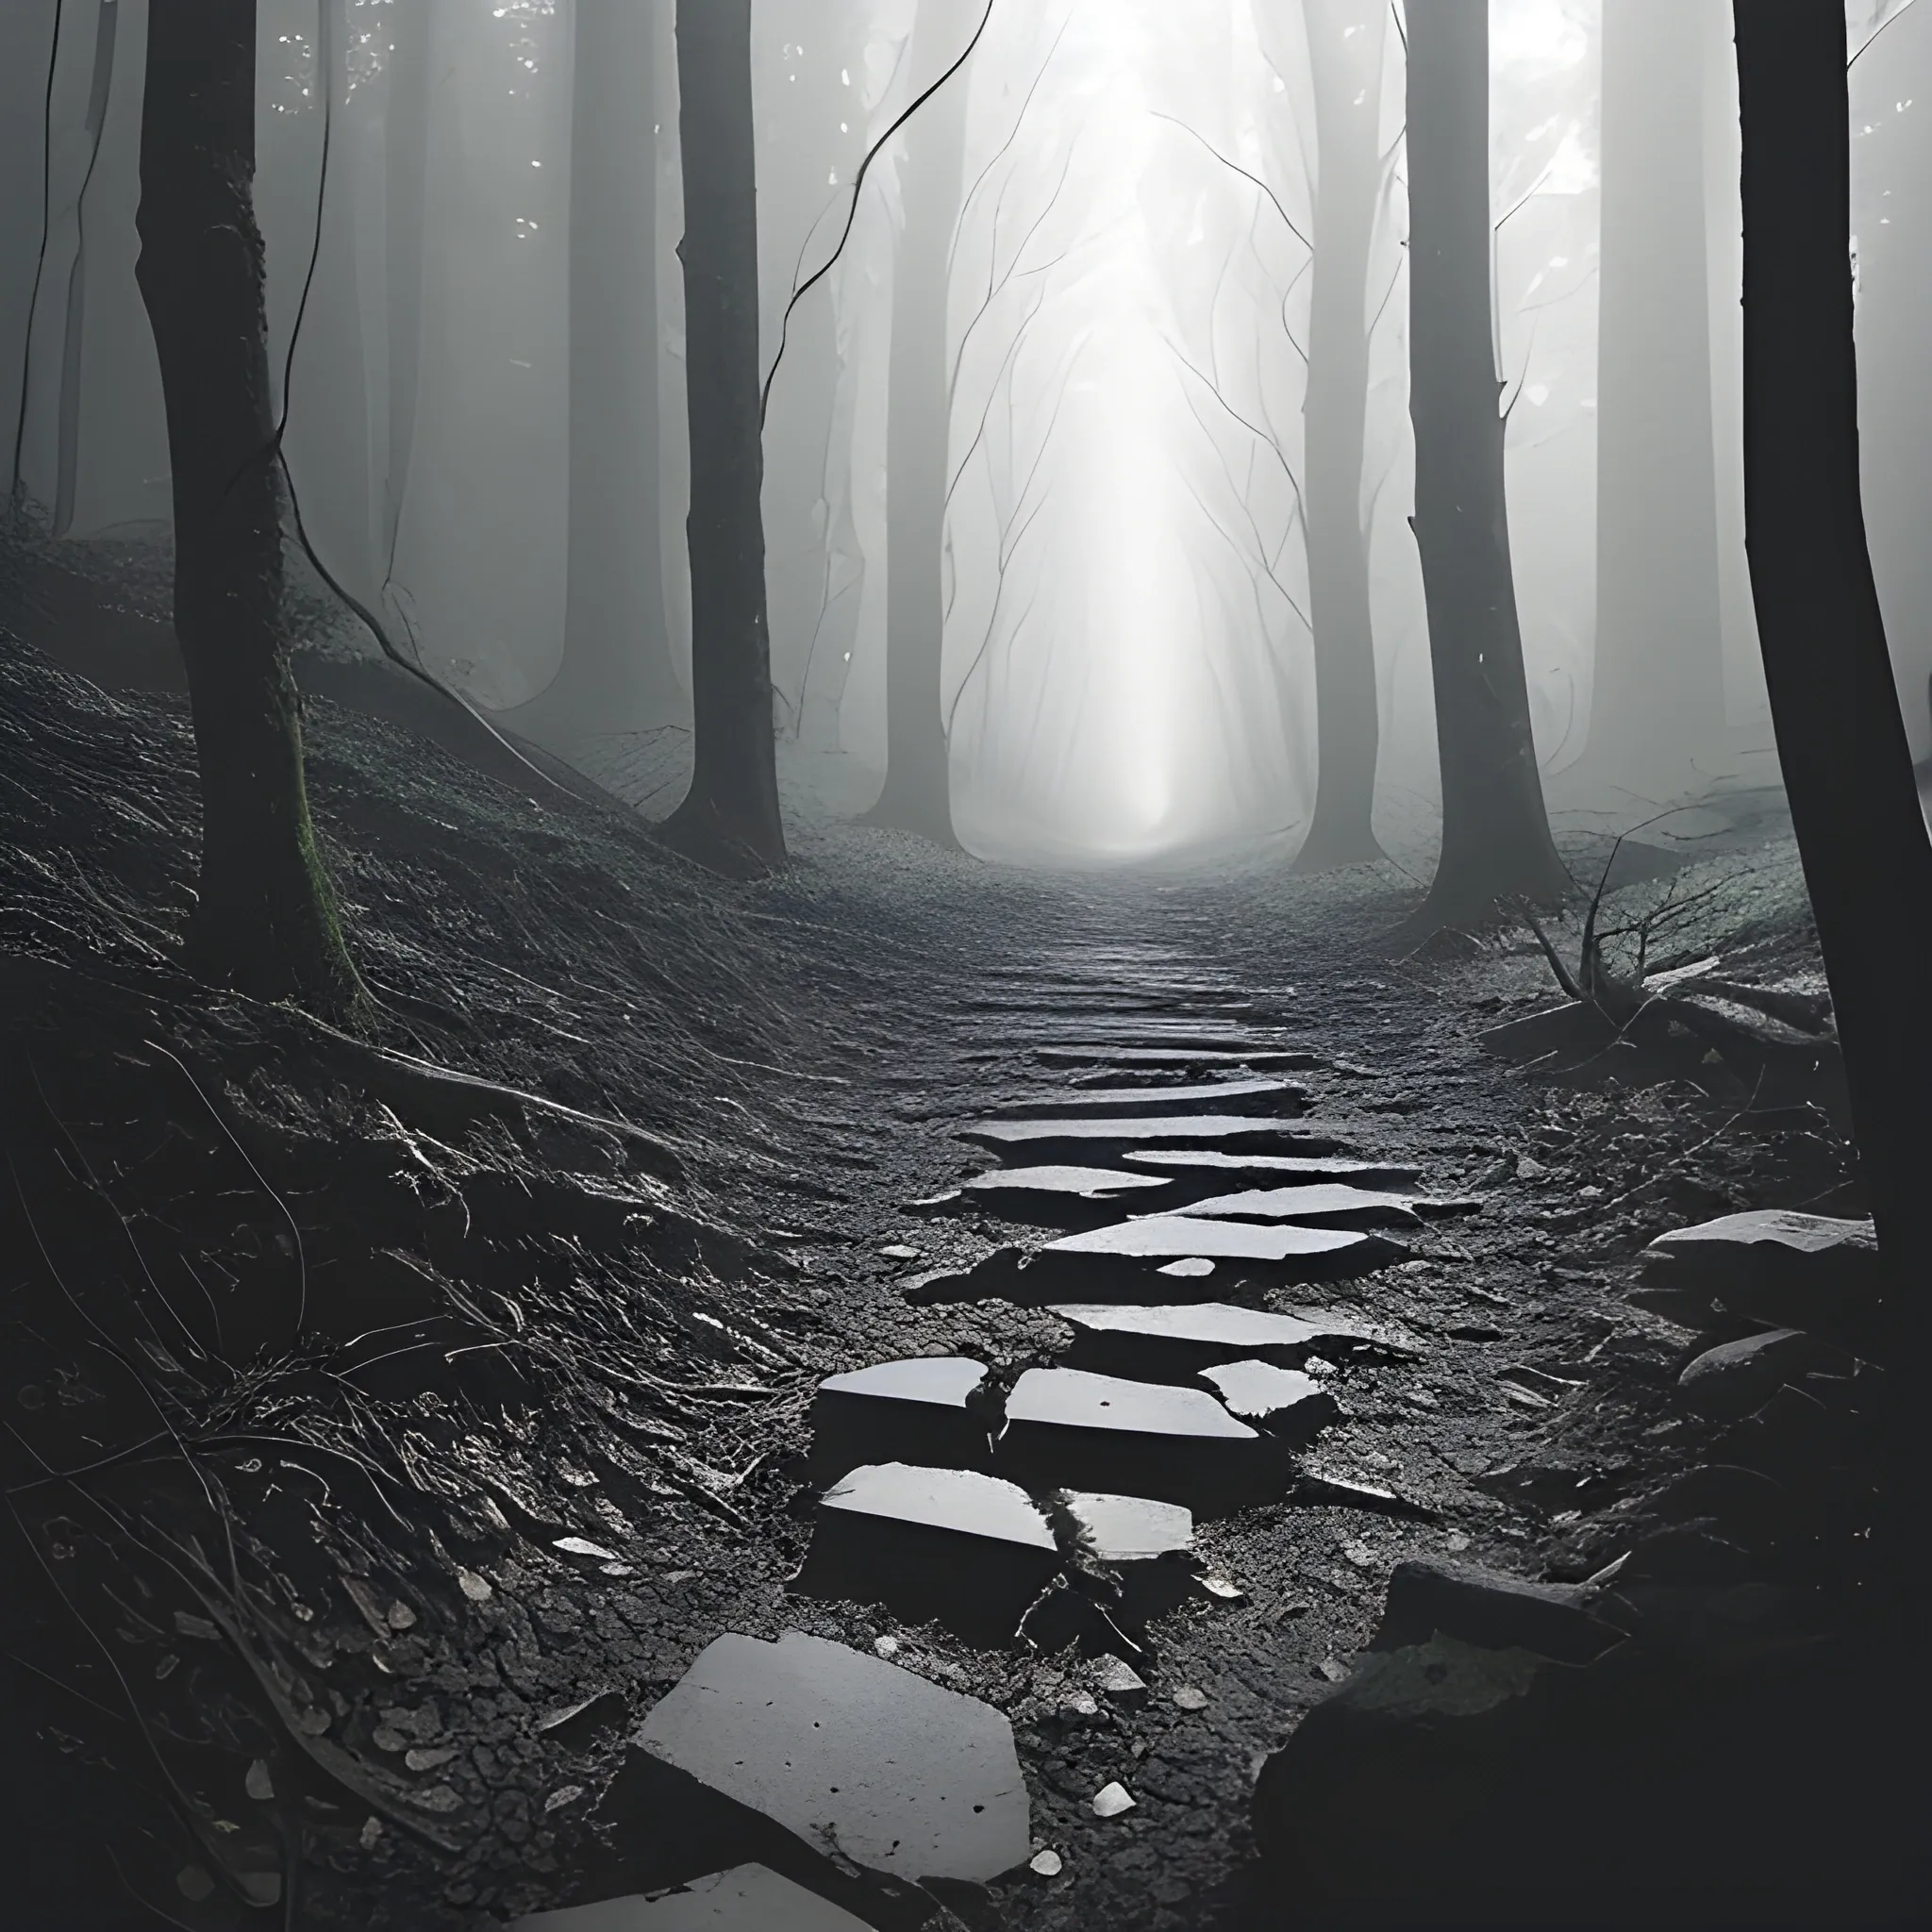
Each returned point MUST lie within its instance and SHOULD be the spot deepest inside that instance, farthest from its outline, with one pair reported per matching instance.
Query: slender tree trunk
(616, 670)
(265, 920)
(1495, 832)
(1345, 42)
(1840, 739)
(731, 814)
(1658, 697)
(919, 411)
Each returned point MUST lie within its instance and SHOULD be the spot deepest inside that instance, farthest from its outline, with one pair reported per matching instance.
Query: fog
(473, 207)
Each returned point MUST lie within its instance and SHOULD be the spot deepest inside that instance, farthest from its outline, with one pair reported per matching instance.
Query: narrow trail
(1131, 1485)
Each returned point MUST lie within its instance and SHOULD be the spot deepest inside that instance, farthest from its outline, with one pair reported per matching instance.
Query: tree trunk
(919, 411)
(1495, 832)
(265, 921)
(1658, 702)
(1345, 42)
(730, 815)
(1840, 738)
(616, 672)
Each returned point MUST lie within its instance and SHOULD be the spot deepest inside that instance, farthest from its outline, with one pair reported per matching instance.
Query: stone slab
(1178, 1059)
(1072, 1428)
(1285, 1402)
(1148, 1546)
(748, 1898)
(1218, 1168)
(833, 1747)
(1212, 1097)
(927, 1409)
(1228, 1132)
(1180, 1341)
(946, 1545)
(1333, 1202)
(1170, 1237)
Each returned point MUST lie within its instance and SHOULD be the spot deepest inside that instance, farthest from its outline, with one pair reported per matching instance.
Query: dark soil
(313, 1356)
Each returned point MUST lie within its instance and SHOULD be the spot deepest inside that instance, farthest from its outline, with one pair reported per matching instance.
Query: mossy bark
(266, 920)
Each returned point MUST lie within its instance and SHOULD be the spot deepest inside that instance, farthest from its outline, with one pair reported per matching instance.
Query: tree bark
(1840, 738)
(615, 674)
(1495, 831)
(919, 412)
(1346, 43)
(265, 920)
(1658, 701)
(730, 815)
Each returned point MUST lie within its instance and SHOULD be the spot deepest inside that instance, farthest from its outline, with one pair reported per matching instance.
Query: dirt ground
(293, 1630)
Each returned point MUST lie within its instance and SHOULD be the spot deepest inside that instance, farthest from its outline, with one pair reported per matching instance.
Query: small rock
(1360, 1555)
(1333, 1671)
(195, 1883)
(401, 1617)
(1080, 1704)
(886, 1646)
(477, 1589)
(371, 1833)
(257, 1783)
(387, 1738)
(1220, 1588)
(1188, 1698)
(1048, 1864)
(1111, 1800)
(432, 1758)
(563, 1795)
(581, 1546)
(1122, 1681)
(1189, 1268)
(1735, 1377)
(1528, 1168)
(898, 1251)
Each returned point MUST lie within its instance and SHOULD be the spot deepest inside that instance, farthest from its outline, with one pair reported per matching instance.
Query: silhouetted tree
(1657, 697)
(731, 814)
(265, 920)
(1840, 738)
(919, 412)
(616, 671)
(1495, 831)
(1346, 43)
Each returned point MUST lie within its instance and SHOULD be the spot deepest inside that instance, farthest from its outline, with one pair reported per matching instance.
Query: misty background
(472, 208)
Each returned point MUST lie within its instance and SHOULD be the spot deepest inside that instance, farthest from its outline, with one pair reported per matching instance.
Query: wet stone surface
(1071, 1428)
(748, 1898)
(1285, 1402)
(945, 1545)
(1332, 1203)
(1284, 1252)
(828, 1746)
(1226, 1131)
(1212, 1098)
(1176, 1342)
(921, 1410)
(1215, 1168)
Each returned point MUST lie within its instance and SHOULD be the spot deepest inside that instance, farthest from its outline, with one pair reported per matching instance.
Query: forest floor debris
(466, 1429)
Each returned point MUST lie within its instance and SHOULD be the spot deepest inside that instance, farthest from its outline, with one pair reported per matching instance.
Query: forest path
(1375, 1376)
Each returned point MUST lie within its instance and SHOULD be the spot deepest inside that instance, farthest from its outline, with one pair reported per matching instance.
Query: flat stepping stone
(927, 1409)
(795, 1747)
(1210, 1098)
(1285, 1248)
(1070, 1428)
(1149, 1545)
(1245, 1132)
(1218, 1168)
(946, 1546)
(1323, 1201)
(1178, 1059)
(1055, 1196)
(748, 1898)
(1182, 1341)
(1285, 1402)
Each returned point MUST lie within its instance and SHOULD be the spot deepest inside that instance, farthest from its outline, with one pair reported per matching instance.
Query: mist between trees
(1089, 468)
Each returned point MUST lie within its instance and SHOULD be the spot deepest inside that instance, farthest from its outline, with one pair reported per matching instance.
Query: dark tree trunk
(265, 921)
(1495, 832)
(1840, 739)
(1658, 701)
(1345, 42)
(616, 670)
(730, 815)
(916, 796)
